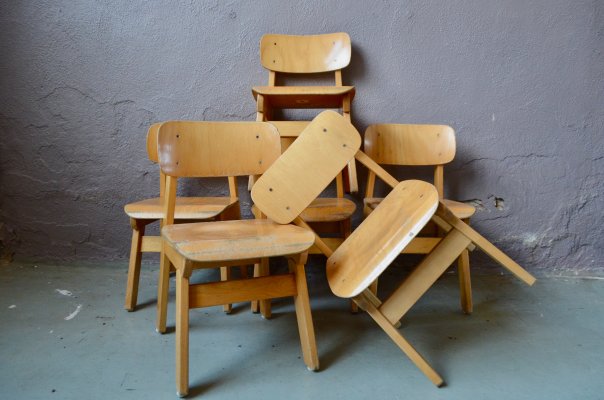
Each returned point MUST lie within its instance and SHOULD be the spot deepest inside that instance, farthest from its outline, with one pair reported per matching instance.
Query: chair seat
(461, 210)
(304, 96)
(186, 207)
(236, 240)
(325, 209)
(370, 249)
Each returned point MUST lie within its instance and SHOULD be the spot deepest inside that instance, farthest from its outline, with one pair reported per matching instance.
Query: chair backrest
(410, 145)
(370, 249)
(403, 144)
(305, 169)
(215, 149)
(305, 54)
(152, 142)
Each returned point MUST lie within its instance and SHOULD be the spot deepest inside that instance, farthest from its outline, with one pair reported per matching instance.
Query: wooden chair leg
(225, 275)
(255, 303)
(265, 305)
(134, 264)
(163, 286)
(465, 282)
(400, 341)
(182, 333)
(303, 315)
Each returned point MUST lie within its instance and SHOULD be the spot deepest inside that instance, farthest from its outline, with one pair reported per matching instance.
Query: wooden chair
(202, 149)
(313, 54)
(420, 145)
(384, 234)
(145, 212)
(362, 258)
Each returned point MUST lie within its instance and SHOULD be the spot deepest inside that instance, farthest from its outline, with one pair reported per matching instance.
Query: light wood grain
(321, 151)
(236, 240)
(306, 328)
(182, 333)
(305, 54)
(461, 210)
(412, 145)
(214, 149)
(403, 144)
(381, 237)
(398, 339)
(134, 265)
(147, 211)
(423, 276)
(186, 207)
(327, 209)
(152, 142)
(235, 291)
(486, 246)
(305, 96)
(289, 129)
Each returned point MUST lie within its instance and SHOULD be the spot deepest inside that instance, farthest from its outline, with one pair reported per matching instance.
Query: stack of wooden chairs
(290, 164)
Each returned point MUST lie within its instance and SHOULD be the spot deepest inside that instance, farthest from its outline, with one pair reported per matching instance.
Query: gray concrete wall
(521, 82)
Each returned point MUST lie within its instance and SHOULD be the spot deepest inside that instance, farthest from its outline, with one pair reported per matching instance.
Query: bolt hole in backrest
(410, 145)
(217, 149)
(305, 54)
(307, 167)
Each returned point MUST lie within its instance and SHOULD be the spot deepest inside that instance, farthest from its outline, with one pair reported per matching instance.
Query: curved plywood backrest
(213, 149)
(152, 142)
(370, 249)
(307, 167)
(403, 144)
(305, 54)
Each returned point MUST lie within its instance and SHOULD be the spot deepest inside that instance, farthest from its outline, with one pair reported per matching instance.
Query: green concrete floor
(540, 342)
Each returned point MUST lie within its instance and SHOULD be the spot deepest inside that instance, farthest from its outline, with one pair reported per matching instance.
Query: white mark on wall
(493, 117)
(73, 314)
(477, 204)
(64, 292)
(530, 239)
(12, 306)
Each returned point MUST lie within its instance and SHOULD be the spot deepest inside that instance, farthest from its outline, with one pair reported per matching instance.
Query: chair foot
(181, 395)
(315, 369)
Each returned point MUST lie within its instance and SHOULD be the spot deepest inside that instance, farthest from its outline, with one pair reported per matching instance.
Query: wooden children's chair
(419, 145)
(384, 234)
(312, 54)
(145, 212)
(202, 149)
(362, 258)
(281, 194)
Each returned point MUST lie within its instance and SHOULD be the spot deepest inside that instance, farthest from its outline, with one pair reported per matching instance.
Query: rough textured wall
(521, 83)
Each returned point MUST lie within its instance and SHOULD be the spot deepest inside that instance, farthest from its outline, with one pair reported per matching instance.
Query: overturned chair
(372, 247)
